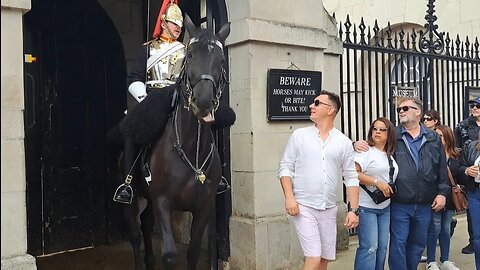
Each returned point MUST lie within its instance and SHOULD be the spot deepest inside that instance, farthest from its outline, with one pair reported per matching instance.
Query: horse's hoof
(169, 260)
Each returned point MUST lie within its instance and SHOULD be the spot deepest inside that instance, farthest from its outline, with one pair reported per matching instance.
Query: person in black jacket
(422, 185)
(441, 221)
(470, 166)
(466, 131)
(432, 119)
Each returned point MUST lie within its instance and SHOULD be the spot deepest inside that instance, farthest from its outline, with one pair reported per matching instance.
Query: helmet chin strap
(168, 29)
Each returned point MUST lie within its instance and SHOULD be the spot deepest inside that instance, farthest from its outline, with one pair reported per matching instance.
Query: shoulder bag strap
(391, 170)
(390, 174)
(450, 177)
(366, 189)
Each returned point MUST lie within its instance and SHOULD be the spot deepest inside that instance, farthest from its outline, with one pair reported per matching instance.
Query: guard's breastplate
(167, 68)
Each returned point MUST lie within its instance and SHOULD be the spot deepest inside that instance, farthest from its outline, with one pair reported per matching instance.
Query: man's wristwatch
(356, 211)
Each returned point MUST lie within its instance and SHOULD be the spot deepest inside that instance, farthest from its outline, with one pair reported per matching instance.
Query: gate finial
(431, 44)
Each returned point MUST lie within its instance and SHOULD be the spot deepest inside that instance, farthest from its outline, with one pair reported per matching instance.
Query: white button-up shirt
(315, 166)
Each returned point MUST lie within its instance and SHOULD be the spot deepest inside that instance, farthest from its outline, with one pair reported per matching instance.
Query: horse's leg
(132, 218)
(200, 221)
(147, 229)
(163, 217)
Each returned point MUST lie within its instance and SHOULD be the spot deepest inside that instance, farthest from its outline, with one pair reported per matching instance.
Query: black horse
(185, 164)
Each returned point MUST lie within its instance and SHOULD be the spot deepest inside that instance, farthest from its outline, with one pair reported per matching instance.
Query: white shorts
(317, 231)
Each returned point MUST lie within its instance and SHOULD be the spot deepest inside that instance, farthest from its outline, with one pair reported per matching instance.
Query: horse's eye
(189, 55)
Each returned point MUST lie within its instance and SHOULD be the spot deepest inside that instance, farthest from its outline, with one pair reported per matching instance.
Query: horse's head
(203, 74)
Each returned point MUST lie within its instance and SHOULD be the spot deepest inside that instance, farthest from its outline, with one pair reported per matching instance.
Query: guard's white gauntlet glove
(138, 90)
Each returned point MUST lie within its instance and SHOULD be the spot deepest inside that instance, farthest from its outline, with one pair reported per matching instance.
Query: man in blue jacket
(422, 186)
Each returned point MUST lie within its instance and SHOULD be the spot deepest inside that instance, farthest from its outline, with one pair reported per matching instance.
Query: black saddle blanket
(147, 120)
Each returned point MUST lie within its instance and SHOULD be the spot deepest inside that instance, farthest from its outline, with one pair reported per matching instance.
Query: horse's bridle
(198, 169)
(217, 86)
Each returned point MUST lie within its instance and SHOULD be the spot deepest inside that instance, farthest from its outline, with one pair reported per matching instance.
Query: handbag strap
(391, 171)
(450, 177)
(366, 189)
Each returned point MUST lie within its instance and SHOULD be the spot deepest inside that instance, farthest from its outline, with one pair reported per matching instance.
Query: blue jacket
(431, 179)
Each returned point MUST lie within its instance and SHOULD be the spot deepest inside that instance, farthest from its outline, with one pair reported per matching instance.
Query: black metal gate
(378, 65)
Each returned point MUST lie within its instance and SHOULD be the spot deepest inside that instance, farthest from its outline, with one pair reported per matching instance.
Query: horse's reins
(199, 171)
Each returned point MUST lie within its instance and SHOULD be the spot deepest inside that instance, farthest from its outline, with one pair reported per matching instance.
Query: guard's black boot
(223, 186)
(124, 192)
(453, 224)
(147, 174)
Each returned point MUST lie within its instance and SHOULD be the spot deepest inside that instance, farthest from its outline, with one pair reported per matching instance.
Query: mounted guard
(178, 121)
(157, 66)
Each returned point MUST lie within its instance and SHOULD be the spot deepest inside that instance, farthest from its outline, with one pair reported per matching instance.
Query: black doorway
(74, 93)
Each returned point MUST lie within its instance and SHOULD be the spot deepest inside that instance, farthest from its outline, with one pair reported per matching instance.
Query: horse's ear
(224, 32)
(191, 29)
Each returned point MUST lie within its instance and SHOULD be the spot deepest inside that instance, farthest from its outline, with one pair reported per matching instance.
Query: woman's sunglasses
(427, 119)
(405, 108)
(379, 129)
(476, 106)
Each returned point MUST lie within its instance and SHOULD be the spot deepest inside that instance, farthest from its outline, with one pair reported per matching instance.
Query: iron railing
(377, 64)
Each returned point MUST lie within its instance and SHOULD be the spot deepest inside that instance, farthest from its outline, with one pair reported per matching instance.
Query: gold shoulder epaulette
(150, 41)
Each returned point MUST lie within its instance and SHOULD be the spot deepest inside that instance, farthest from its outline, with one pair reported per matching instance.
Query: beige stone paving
(459, 240)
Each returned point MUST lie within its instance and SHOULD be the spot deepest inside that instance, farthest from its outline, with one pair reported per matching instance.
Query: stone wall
(14, 218)
(270, 34)
(454, 16)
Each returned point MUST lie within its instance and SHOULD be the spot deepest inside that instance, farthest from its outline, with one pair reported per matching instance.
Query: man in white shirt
(314, 159)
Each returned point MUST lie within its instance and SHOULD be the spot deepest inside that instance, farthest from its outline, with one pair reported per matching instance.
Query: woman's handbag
(459, 197)
(377, 195)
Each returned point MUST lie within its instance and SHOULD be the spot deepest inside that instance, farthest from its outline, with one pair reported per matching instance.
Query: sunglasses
(427, 119)
(318, 102)
(405, 108)
(476, 106)
(380, 129)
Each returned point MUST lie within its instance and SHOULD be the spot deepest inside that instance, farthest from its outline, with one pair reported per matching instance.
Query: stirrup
(223, 186)
(124, 192)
